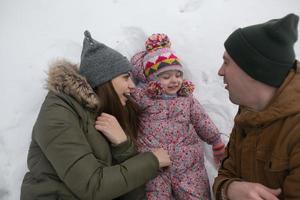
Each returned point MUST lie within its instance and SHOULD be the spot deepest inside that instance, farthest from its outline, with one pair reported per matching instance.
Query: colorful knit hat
(158, 56)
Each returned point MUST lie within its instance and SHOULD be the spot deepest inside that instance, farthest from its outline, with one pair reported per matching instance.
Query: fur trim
(63, 77)
(155, 90)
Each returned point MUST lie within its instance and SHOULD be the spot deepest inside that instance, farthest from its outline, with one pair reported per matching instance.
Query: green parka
(264, 147)
(69, 159)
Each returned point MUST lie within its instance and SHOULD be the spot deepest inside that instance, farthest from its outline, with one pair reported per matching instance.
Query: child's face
(171, 81)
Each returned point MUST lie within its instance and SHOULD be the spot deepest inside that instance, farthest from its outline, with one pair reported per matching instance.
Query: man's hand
(238, 190)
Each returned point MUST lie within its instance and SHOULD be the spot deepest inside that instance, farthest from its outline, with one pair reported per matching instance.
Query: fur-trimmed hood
(64, 77)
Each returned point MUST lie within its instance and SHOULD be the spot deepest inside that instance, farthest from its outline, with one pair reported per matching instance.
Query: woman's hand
(110, 127)
(162, 156)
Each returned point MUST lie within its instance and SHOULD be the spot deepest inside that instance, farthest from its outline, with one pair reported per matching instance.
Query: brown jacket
(264, 147)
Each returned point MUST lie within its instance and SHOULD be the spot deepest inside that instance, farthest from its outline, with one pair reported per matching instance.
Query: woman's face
(123, 86)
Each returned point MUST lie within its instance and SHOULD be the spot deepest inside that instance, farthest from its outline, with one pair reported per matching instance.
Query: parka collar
(284, 103)
(63, 77)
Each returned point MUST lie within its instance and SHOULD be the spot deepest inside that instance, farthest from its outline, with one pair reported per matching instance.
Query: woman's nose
(131, 83)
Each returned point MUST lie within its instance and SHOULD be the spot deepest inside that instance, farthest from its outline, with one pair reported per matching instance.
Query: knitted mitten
(218, 152)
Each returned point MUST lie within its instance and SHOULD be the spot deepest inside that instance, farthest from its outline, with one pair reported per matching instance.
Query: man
(263, 77)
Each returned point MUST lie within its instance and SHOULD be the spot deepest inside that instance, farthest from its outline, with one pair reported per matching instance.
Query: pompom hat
(158, 56)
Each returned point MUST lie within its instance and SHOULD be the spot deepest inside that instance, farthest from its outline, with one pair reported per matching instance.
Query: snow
(36, 32)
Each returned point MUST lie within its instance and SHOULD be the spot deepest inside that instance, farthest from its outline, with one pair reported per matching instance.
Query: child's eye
(178, 74)
(164, 76)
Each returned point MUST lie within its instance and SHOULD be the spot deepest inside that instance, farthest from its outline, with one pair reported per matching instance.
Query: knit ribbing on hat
(265, 51)
(100, 63)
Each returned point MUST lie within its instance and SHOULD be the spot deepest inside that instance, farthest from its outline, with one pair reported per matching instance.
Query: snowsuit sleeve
(139, 95)
(203, 125)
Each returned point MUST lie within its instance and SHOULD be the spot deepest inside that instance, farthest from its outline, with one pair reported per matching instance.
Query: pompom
(187, 88)
(154, 90)
(157, 40)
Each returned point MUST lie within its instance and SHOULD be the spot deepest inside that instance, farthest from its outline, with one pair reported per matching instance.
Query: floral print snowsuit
(178, 124)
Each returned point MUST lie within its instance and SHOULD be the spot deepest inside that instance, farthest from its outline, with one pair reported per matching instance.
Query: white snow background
(35, 32)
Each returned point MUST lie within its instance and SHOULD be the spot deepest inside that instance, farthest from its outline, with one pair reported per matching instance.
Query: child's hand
(218, 152)
(111, 128)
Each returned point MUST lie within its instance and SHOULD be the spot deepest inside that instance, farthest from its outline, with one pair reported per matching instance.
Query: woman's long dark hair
(127, 116)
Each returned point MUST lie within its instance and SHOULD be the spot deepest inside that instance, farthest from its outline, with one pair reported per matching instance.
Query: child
(174, 120)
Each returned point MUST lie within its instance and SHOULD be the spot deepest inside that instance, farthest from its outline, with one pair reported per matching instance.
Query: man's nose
(221, 71)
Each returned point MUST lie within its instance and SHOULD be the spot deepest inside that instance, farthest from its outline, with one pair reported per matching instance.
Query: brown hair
(127, 116)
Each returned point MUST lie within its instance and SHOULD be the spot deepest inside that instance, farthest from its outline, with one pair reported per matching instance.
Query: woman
(68, 158)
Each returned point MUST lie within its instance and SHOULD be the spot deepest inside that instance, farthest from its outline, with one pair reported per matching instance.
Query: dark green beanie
(265, 51)
(100, 63)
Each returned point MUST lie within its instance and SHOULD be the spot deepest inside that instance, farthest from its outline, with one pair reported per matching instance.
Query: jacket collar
(64, 78)
(284, 103)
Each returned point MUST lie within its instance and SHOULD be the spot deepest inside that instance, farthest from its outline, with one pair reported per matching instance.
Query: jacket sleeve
(63, 142)
(291, 186)
(123, 151)
(227, 170)
(203, 125)
(136, 194)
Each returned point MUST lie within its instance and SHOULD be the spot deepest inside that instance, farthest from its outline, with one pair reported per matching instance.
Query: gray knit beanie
(100, 63)
(265, 51)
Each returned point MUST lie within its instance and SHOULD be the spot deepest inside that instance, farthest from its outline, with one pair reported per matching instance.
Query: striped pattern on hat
(159, 56)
